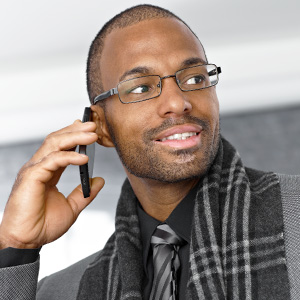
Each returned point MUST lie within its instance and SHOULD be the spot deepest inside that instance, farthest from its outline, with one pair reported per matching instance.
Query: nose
(172, 102)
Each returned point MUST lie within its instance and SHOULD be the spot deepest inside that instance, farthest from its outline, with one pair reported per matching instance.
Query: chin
(182, 169)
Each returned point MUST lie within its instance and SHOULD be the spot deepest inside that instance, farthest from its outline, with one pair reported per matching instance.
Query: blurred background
(43, 54)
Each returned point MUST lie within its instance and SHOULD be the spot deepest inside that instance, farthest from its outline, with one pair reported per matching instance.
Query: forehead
(161, 45)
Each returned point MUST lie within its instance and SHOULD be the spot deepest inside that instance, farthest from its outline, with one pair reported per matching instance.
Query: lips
(181, 136)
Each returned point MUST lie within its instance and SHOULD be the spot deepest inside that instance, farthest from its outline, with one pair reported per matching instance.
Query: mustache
(168, 123)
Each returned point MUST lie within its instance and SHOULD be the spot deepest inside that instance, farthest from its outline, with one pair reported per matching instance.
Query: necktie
(165, 244)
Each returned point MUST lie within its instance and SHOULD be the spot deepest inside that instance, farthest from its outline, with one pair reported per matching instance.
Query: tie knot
(165, 235)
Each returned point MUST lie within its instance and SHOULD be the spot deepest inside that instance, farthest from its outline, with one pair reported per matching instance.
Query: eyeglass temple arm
(105, 95)
(215, 71)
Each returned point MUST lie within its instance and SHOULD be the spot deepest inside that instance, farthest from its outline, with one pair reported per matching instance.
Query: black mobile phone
(86, 170)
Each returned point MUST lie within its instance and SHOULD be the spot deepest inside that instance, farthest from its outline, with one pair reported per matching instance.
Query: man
(154, 99)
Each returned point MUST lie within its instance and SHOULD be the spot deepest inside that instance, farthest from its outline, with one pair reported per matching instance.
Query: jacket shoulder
(289, 183)
(290, 194)
(65, 283)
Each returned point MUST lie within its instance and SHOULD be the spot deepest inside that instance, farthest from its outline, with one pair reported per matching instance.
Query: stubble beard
(144, 161)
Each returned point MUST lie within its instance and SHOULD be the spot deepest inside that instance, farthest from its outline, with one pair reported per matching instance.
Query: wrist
(10, 242)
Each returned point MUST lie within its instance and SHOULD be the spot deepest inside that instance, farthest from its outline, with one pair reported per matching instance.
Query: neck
(159, 199)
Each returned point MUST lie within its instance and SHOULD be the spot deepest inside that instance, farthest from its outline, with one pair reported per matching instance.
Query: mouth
(180, 137)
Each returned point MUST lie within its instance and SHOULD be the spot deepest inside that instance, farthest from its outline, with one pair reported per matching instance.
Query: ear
(98, 117)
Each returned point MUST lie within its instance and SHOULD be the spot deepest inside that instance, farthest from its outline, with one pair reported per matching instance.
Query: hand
(36, 212)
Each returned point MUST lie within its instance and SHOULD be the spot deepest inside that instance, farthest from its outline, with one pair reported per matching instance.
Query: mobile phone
(86, 170)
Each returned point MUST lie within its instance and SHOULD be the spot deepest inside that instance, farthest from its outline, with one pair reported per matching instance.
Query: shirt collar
(180, 220)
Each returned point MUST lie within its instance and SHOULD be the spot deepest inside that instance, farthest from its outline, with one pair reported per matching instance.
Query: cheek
(128, 120)
(207, 106)
(215, 116)
(213, 100)
(213, 106)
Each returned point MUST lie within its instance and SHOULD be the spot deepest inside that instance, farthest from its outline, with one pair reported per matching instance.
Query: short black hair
(126, 18)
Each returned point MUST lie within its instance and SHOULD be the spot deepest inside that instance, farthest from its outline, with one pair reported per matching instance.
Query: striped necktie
(165, 244)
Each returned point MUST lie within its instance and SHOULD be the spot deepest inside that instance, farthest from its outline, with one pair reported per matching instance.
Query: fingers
(33, 180)
(44, 169)
(76, 199)
(67, 138)
(50, 160)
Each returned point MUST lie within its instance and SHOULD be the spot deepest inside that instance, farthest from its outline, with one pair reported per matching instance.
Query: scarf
(237, 245)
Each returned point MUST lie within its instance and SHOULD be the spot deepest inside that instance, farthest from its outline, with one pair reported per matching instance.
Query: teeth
(179, 136)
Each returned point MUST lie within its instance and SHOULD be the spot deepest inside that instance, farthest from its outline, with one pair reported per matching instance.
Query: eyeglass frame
(114, 91)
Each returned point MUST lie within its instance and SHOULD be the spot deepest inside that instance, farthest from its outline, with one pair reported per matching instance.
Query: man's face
(148, 135)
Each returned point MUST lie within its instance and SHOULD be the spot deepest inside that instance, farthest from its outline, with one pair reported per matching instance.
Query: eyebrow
(192, 61)
(135, 71)
(142, 70)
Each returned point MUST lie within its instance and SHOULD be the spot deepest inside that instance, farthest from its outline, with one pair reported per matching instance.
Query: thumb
(76, 199)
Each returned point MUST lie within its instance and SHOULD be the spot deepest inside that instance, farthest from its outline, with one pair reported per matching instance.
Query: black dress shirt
(11, 257)
(180, 220)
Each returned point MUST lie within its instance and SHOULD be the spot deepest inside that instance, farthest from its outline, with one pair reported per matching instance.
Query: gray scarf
(237, 246)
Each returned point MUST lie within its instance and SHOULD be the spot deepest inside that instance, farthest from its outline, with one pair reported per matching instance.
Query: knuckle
(49, 139)
(49, 157)
(51, 142)
(52, 155)
(24, 173)
(25, 170)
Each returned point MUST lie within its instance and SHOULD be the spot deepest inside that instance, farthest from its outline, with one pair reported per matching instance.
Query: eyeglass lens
(147, 87)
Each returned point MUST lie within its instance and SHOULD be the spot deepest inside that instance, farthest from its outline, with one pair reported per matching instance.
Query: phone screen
(86, 170)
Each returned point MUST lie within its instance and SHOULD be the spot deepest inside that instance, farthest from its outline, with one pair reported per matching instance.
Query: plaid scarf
(237, 246)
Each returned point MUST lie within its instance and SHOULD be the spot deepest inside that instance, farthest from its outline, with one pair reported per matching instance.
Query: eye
(195, 79)
(139, 89)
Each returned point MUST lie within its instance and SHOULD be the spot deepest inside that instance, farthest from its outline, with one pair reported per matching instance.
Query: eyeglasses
(148, 87)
